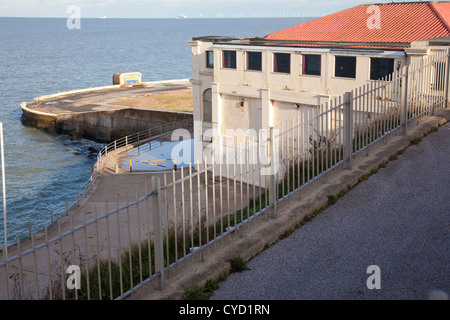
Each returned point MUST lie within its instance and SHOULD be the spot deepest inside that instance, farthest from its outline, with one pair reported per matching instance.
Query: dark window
(345, 67)
(229, 59)
(380, 67)
(209, 59)
(311, 64)
(282, 62)
(254, 61)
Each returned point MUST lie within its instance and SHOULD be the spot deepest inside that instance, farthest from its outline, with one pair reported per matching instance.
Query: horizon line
(175, 18)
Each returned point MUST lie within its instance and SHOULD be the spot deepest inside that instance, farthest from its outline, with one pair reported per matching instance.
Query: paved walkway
(398, 220)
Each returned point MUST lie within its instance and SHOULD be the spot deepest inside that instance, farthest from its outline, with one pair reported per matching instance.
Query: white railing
(43, 219)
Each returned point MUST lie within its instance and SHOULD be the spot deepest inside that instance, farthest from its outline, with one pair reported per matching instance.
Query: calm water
(42, 56)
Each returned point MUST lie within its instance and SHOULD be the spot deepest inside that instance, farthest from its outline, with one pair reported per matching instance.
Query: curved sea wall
(87, 113)
(102, 126)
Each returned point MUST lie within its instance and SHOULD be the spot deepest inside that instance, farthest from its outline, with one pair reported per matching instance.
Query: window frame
(380, 58)
(224, 59)
(304, 63)
(355, 58)
(209, 59)
(275, 68)
(247, 62)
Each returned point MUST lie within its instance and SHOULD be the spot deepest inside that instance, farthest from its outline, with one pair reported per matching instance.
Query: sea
(40, 56)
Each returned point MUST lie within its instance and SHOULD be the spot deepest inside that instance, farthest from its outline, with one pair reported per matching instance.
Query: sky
(174, 8)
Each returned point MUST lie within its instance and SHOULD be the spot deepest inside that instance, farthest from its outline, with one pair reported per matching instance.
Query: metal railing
(331, 135)
(44, 219)
(120, 246)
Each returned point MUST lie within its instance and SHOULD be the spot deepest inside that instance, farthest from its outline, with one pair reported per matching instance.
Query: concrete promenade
(397, 219)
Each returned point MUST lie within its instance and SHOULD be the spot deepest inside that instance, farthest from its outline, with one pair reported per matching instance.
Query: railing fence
(42, 220)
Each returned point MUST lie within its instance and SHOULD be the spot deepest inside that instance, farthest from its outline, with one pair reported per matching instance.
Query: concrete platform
(110, 112)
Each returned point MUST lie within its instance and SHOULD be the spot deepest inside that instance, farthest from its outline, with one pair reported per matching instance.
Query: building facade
(252, 84)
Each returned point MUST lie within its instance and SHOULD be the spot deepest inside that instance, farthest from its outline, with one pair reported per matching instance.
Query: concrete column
(267, 109)
(216, 101)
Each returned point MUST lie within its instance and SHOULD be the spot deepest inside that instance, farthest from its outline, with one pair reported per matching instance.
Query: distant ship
(181, 16)
(104, 17)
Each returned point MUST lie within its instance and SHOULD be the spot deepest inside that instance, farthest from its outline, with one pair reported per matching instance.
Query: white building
(258, 83)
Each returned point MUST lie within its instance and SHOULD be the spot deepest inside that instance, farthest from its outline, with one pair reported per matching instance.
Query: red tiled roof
(399, 23)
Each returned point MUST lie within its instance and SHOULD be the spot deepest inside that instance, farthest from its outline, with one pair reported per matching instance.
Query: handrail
(41, 222)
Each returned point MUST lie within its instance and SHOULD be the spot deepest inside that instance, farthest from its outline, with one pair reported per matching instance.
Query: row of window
(345, 66)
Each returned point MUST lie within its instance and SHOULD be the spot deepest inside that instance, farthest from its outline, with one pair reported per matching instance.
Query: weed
(197, 293)
(393, 157)
(415, 140)
(332, 199)
(211, 286)
(237, 264)
(433, 129)
(205, 292)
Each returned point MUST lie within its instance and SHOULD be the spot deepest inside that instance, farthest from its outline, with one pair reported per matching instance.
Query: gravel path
(398, 220)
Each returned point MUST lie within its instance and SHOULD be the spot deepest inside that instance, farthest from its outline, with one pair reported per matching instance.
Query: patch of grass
(364, 177)
(393, 157)
(415, 141)
(211, 286)
(332, 199)
(175, 102)
(433, 129)
(237, 264)
(203, 292)
(197, 293)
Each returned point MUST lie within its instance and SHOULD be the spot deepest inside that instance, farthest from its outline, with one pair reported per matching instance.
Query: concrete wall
(271, 97)
(302, 85)
(104, 125)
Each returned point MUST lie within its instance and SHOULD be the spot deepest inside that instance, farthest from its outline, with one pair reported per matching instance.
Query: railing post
(273, 192)
(447, 77)
(404, 101)
(158, 233)
(2, 160)
(348, 128)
